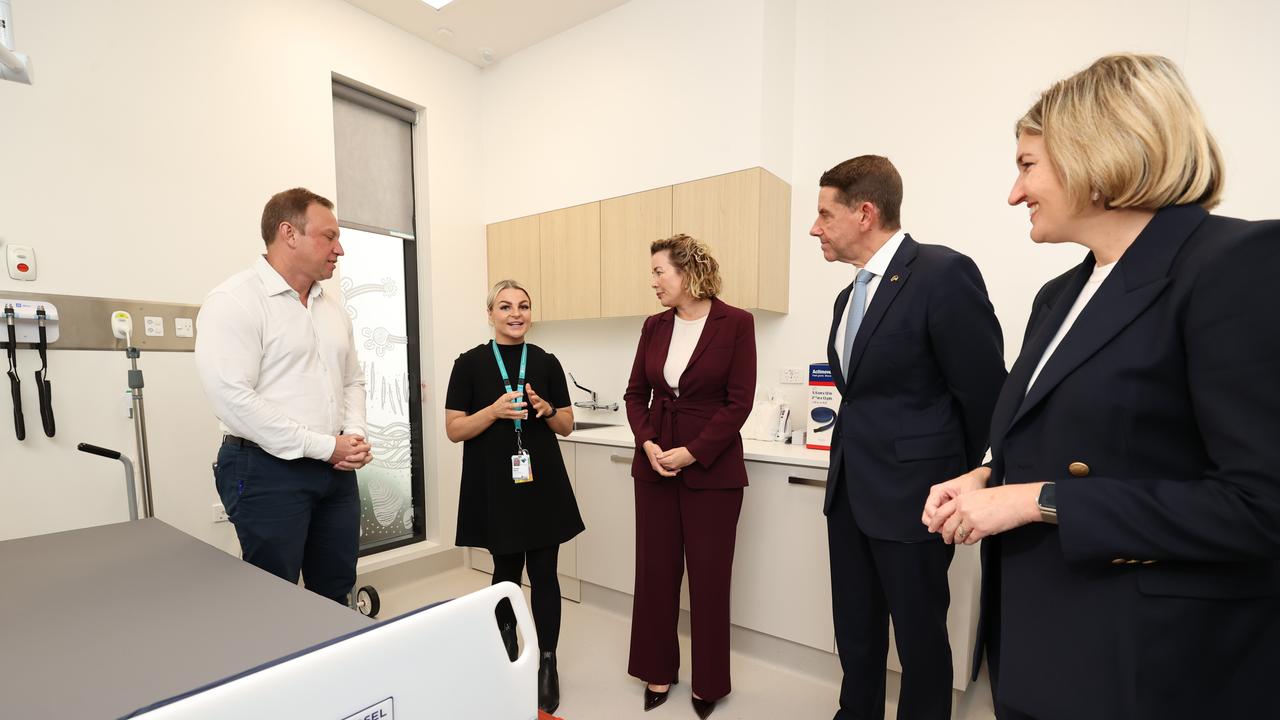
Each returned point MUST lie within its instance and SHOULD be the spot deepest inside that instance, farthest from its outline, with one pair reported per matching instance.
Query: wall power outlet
(792, 376)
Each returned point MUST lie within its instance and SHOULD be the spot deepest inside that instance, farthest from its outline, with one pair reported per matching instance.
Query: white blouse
(1100, 273)
(684, 338)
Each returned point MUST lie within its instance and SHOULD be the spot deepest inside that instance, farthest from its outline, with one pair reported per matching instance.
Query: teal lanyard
(506, 379)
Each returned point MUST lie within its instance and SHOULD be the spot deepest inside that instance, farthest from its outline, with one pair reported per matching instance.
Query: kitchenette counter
(757, 450)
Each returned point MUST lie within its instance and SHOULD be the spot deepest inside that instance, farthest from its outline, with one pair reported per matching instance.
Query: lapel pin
(893, 279)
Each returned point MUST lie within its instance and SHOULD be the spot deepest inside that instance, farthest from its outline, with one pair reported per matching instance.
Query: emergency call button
(21, 262)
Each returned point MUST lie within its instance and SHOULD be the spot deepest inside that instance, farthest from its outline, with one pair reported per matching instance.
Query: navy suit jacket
(927, 365)
(717, 390)
(1158, 418)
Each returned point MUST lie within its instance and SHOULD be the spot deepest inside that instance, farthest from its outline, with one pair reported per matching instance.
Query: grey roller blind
(373, 140)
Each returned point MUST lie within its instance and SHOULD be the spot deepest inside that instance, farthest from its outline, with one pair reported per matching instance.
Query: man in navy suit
(917, 355)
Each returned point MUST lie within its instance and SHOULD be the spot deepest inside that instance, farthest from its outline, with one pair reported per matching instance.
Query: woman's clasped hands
(667, 463)
(963, 510)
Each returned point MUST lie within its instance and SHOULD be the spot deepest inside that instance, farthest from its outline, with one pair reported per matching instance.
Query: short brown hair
(868, 178)
(694, 261)
(1127, 128)
(289, 206)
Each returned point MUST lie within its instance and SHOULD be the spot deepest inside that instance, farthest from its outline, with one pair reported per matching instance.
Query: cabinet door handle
(807, 481)
(620, 459)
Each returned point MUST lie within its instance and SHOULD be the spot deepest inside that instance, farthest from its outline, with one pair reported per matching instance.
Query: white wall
(651, 93)
(621, 103)
(935, 86)
(137, 166)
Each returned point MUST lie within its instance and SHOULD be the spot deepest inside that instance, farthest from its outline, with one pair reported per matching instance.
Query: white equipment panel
(444, 661)
(24, 311)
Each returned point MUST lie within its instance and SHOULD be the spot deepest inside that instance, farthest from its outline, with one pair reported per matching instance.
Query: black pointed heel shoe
(704, 708)
(548, 683)
(653, 699)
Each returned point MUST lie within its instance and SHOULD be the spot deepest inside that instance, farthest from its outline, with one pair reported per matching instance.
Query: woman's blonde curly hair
(692, 258)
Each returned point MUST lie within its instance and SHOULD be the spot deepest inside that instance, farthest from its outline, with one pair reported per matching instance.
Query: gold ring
(962, 532)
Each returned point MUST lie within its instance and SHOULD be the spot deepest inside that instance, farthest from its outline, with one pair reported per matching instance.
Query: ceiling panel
(504, 27)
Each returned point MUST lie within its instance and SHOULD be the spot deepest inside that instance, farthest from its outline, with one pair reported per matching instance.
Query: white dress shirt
(684, 339)
(279, 374)
(1100, 273)
(877, 265)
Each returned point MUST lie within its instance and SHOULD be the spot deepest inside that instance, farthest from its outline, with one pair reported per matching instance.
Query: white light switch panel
(792, 376)
(154, 325)
(184, 327)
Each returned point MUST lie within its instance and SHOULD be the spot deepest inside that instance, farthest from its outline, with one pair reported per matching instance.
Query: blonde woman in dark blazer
(1131, 511)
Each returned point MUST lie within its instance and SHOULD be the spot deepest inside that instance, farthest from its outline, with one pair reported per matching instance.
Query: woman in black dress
(516, 501)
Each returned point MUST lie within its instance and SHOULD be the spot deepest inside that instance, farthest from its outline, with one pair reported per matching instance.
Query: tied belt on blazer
(666, 412)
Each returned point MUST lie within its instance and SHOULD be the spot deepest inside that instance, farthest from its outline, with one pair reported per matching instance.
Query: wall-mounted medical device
(27, 321)
(33, 322)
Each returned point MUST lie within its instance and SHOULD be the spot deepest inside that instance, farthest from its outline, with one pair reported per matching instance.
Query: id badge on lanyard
(521, 465)
(521, 468)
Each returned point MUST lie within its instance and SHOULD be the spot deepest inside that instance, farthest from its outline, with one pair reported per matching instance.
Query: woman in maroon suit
(691, 389)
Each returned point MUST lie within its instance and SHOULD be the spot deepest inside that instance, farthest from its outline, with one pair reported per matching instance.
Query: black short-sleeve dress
(494, 512)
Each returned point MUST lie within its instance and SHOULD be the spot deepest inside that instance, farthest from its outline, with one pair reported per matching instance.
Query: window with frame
(378, 278)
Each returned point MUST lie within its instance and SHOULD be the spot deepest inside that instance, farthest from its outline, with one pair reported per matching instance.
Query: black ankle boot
(508, 632)
(548, 683)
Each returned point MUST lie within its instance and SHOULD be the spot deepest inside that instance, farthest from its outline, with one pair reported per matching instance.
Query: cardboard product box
(824, 403)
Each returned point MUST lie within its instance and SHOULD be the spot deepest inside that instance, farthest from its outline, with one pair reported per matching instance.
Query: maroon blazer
(717, 390)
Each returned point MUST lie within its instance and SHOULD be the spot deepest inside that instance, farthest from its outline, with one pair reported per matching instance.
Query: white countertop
(757, 450)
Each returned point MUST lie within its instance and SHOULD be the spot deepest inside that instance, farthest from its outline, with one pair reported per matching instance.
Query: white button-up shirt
(878, 265)
(279, 374)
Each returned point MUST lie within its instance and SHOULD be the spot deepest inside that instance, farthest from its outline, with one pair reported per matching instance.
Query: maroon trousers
(675, 527)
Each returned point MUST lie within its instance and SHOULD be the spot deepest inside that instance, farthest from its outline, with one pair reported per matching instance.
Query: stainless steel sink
(587, 425)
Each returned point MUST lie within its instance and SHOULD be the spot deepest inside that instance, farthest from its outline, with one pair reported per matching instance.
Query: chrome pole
(140, 430)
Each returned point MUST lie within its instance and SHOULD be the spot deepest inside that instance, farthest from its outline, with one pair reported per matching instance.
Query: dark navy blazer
(1158, 418)
(928, 363)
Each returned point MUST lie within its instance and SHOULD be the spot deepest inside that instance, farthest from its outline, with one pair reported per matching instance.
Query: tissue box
(824, 403)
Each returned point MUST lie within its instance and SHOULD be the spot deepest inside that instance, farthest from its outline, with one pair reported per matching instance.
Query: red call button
(23, 267)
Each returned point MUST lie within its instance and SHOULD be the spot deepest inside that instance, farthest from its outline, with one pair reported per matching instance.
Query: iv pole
(140, 429)
(122, 328)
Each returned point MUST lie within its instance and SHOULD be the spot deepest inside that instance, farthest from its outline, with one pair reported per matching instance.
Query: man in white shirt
(277, 361)
(917, 355)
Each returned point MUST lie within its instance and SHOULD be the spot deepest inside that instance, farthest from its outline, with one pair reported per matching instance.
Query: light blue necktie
(857, 307)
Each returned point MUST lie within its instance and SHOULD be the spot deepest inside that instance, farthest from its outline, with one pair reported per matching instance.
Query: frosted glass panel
(372, 282)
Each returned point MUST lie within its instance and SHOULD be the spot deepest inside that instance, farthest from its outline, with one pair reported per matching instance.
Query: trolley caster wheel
(367, 602)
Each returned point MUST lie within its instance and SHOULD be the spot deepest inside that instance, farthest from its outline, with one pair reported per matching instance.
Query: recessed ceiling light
(437, 4)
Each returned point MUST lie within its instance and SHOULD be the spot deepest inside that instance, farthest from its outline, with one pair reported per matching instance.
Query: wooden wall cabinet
(744, 216)
(592, 260)
(628, 225)
(515, 254)
(570, 243)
